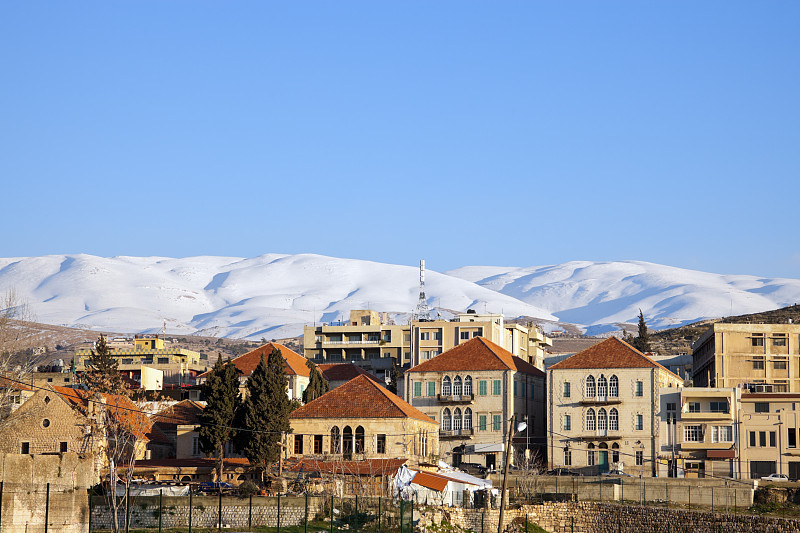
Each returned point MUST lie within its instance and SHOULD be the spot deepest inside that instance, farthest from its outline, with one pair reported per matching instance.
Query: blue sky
(465, 133)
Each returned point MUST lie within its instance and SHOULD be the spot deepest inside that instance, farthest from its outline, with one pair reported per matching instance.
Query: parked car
(615, 473)
(210, 487)
(776, 477)
(562, 472)
(475, 469)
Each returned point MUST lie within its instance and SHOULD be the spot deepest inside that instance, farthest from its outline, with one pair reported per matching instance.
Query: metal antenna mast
(422, 312)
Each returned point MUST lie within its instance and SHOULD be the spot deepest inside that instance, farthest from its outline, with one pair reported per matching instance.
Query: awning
(720, 454)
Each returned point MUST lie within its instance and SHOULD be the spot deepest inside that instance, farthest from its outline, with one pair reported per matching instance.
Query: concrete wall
(25, 493)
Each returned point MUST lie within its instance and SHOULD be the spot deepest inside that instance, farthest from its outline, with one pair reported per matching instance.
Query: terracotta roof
(12, 383)
(295, 363)
(120, 407)
(611, 353)
(430, 480)
(344, 372)
(183, 413)
(359, 398)
(375, 467)
(476, 354)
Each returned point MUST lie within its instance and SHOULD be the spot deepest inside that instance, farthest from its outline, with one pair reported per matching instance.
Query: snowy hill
(273, 295)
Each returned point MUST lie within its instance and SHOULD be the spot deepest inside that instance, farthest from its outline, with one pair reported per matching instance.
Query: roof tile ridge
(498, 356)
(415, 413)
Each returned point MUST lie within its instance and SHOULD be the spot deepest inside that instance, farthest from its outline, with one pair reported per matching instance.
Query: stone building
(603, 409)
(473, 390)
(361, 420)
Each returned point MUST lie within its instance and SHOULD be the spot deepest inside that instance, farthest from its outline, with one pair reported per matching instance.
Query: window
(590, 388)
(762, 407)
(464, 335)
(613, 420)
(719, 407)
(762, 439)
(602, 420)
(446, 388)
(163, 360)
(49, 380)
(26, 448)
(496, 423)
(615, 453)
(757, 339)
(431, 388)
(591, 421)
(639, 455)
(779, 341)
(758, 364)
(722, 434)
(46, 423)
(437, 335)
(318, 444)
(336, 441)
(359, 439)
(457, 386)
(515, 388)
(792, 440)
(196, 446)
(467, 418)
(671, 407)
(771, 439)
(496, 387)
(779, 365)
(457, 419)
(298, 445)
(567, 457)
(482, 387)
(566, 389)
(752, 439)
(613, 387)
(425, 354)
(468, 386)
(482, 423)
(639, 422)
(567, 422)
(639, 390)
(446, 420)
(381, 444)
(602, 387)
(417, 388)
(693, 407)
(425, 336)
(590, 455)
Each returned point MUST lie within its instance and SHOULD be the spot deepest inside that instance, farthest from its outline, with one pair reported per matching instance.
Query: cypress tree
(265, 411)
(642, 342)
(394, 377)
(104, 375)
(221, 392)
(317, 385)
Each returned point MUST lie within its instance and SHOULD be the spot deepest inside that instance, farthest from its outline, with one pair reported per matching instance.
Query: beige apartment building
(473, 390)
(370, 341)
(603, 406)
(769, 433)
(179, 366)
(755, 357)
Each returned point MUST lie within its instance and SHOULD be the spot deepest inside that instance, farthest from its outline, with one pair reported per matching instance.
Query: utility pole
(505, 477)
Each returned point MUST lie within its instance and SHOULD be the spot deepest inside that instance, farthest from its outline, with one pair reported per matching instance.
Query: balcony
(600, 400)
(600, 434)
(455, 433)
(706, 415)
(456, 398)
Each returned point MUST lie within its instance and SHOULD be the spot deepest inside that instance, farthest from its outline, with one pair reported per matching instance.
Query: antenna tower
(422, 312)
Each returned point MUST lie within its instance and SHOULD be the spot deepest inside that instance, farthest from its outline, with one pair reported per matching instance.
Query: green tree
(103, 374)
(221, 392)
(394, 377)
(317, 385)
(642, 341)
(265, 412)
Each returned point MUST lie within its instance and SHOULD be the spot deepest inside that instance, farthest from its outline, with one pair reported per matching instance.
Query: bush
(247, 489)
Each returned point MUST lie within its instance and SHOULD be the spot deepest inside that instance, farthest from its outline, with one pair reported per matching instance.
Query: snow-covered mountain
(273, 295)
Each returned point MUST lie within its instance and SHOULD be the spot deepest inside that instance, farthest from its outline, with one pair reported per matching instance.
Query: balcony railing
(456, 398)
(600, 399)
(446, 433)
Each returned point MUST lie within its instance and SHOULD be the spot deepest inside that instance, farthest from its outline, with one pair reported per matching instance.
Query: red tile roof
(295, 363)
(359, 398)
(183, 413)
(430, 480)
(476, 354)
(611, 353)
(123, 409)
(344, 372)
(374, 467)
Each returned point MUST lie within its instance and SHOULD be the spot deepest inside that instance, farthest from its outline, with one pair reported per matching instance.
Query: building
(603, 409)
(473, 390)
(180, 367)
(368, 339)
(769, 432)
(756, 357)
(295, 365)
(361, 420)
(699, 432)
(337, 374)
(180, 423)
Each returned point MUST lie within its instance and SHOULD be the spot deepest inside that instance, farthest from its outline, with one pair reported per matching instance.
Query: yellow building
(180, 367)
(603, 409)
(756, 357)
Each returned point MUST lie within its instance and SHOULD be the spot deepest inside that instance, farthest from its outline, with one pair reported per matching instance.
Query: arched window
(615, 453)
(602, 420)
(446, 420)
(613, 387)
(590, 420)
(446, 390)
(457, 386)
(590, 455)
(602, 387)
(359, 439)
(457, 419)
(613, 420)
(347, 436)
(467, 386)
(590, 390)
(336, 440)
(467, 417)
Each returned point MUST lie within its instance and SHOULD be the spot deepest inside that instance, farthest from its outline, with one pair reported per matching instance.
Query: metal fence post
(90, 505)
(401, 516)
(279, 512)
(1, 507)
(355, 525)
(712, 500)
(160, 507)
(219, 511)
(250, 514)
(526, 522)
(331, 511)
(483, 516)
(190, 510)
(690, 497)
(127, 507)
(47, 508)
(379, 514)
(411, 517)
(305, 523)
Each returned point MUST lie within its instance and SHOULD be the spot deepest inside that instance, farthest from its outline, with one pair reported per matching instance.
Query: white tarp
(153, 490)
(401, 482)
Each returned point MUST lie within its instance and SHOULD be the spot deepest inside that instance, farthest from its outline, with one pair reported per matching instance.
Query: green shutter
(496, 420)
(496, 387)
(431, 388)
(515, 388)
(417, 388)
(482, 387)
(482, 422)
